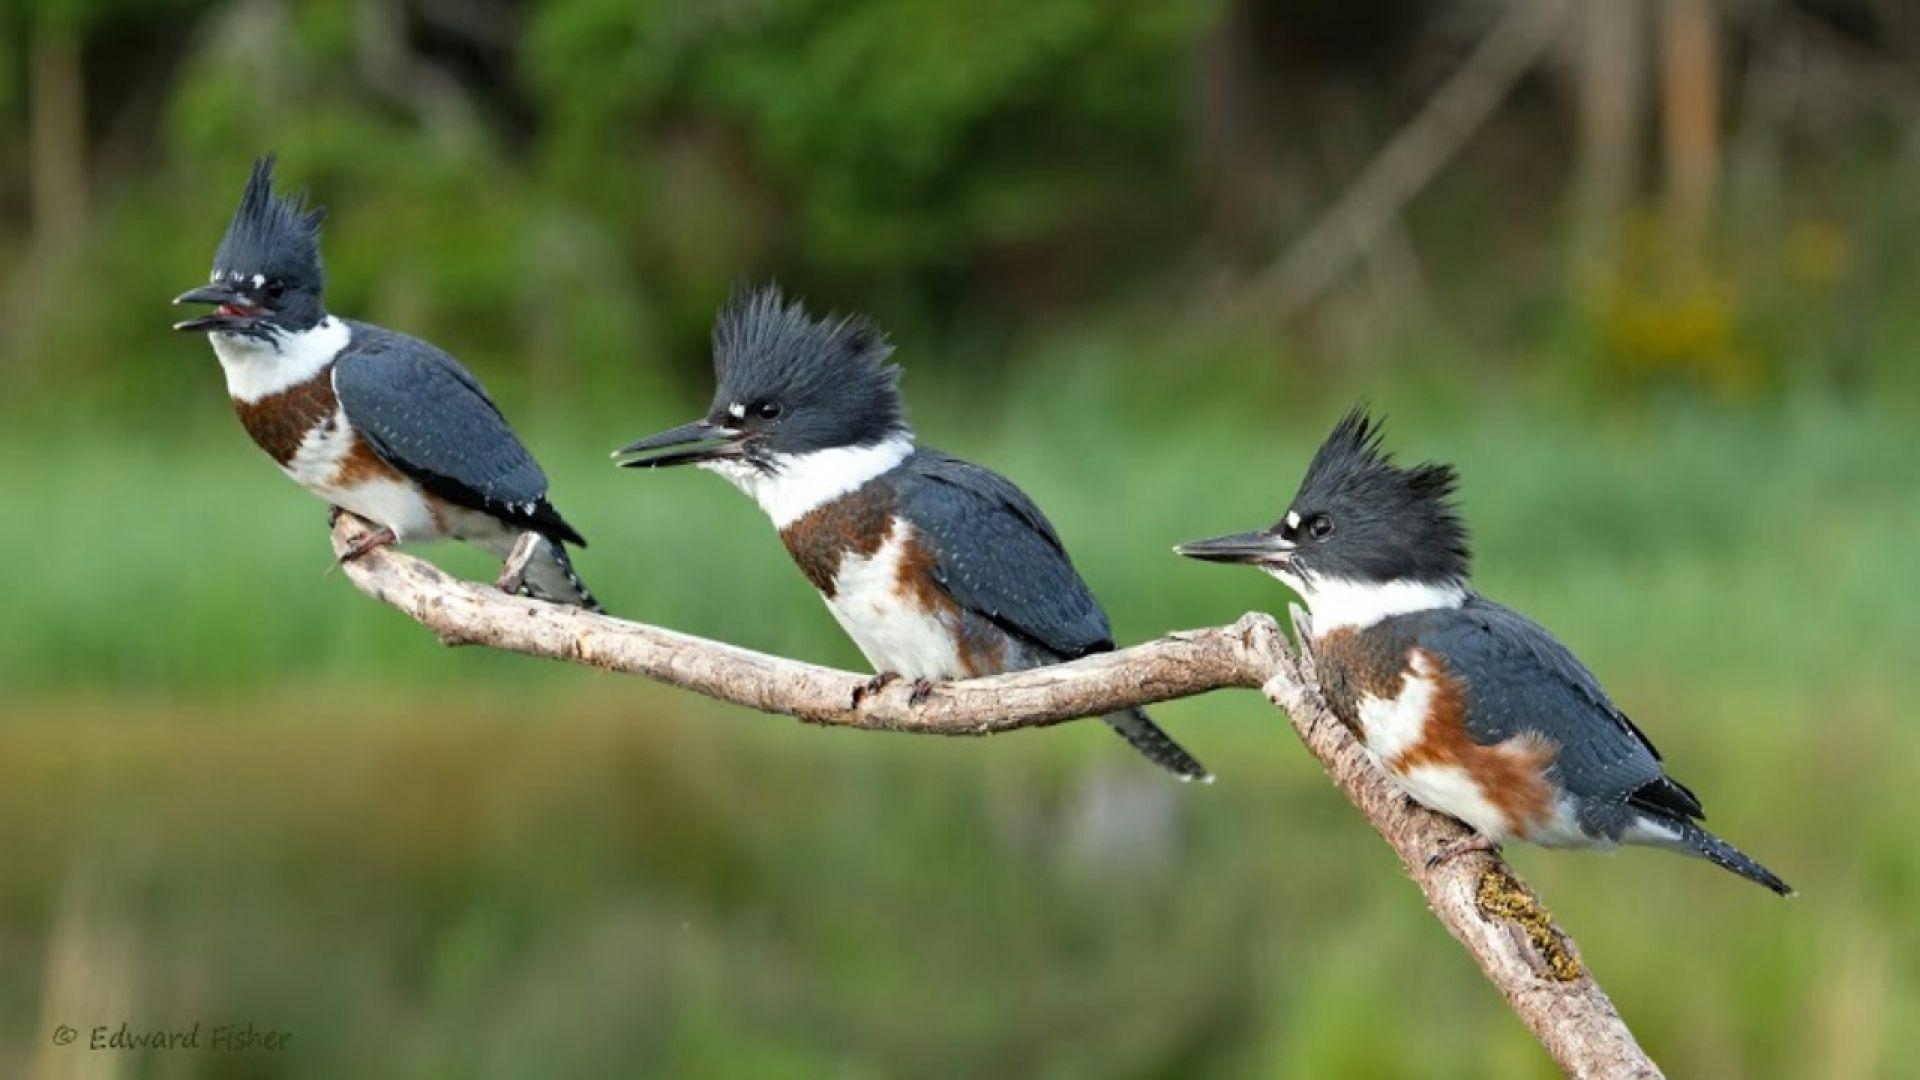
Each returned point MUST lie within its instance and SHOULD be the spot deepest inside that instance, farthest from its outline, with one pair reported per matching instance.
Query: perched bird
(937, 568)
(373, 421)
(1475, 710)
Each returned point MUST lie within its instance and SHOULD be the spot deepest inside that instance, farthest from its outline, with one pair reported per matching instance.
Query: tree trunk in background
(1229, 123)
(1690, 116)
(1610, 64)
(1410, 159)
(57, 131)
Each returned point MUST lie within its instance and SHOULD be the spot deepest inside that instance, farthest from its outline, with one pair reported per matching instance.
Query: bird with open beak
(370, 420)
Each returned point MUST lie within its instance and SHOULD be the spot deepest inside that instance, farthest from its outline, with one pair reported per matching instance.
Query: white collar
(1341, 604)
(257, 369)
(801, 482)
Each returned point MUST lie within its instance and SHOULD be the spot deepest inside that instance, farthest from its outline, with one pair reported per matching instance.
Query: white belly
(1450, 790)
(1392, 726)
(484, 531)
(395, 502)
(1563, 830)
(894, 633)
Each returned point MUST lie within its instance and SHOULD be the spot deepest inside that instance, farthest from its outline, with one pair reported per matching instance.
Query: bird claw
(1466, 845)
(873, 686)
(379, 538)
(922, 689)
(513, 572)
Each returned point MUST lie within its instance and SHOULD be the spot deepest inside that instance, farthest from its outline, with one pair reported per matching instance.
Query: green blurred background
(1655, 299)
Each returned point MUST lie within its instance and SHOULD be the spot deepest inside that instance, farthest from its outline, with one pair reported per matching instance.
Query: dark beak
(233, 308)
(687, 444)
(1246, 547)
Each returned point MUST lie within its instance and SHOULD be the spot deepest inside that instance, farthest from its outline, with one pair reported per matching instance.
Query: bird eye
(1321, 526)
(275, 287)
(767, 410)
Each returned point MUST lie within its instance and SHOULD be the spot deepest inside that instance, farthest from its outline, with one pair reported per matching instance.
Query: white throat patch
(1338, 604)
(256, 369)
(801, 482)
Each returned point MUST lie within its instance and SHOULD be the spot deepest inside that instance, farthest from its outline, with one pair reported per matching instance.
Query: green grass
(230, 787)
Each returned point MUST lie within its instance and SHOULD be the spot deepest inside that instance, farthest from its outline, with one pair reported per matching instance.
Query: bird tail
(1688, 838)
(550, 576)
(1158, 747)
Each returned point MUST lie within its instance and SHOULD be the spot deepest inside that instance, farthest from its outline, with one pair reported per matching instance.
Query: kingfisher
(372, 421)
(936, 568)
(1473, 709)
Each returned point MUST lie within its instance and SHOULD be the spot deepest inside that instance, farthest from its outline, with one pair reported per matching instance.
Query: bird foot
(513, 572)
(873, 686)
(1466, 845)
(922, 688)
(333, 516)
(379, 538)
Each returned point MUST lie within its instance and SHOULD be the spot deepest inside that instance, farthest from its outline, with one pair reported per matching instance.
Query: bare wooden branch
(1478, 898)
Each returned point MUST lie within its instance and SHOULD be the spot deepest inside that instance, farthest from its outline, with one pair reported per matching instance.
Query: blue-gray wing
(428, 417)
(1520, 679)
(997, 555)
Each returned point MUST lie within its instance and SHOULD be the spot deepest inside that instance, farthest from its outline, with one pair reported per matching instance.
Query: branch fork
(1494, 915)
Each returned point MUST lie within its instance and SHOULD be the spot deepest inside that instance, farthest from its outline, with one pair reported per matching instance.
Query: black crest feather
(1396, 521)
(831, 373)
(272, 235)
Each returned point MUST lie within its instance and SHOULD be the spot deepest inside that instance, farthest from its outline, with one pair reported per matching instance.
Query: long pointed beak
(210, 294)
(1246, 547)
(231, 306)
(687, 444)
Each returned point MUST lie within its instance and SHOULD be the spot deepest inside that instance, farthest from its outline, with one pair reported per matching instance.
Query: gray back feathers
(427, 416)
(1519, 678)
(996, 554)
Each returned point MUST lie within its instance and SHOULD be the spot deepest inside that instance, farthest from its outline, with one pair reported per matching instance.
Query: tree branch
(1478, 898)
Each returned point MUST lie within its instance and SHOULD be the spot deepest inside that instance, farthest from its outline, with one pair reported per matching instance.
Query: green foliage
(567, 215)
(907, 135)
